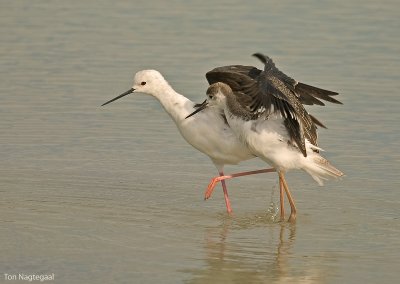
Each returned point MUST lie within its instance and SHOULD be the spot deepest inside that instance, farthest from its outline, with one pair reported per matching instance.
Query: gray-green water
(114, 194)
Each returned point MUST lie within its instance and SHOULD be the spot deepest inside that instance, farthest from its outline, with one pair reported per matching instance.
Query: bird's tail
(320, 169)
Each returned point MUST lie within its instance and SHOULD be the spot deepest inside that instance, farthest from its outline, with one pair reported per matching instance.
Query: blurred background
(115, 195)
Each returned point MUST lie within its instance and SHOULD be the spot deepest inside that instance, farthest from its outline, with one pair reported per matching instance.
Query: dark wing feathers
(316, 121)
(258, 91)
(314, 92)
(298, 123)
(237, 76)
(307, 99)
(234, 75)
(275, 72)
(306, 93)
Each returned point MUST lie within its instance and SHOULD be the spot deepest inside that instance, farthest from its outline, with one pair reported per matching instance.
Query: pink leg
(293, 209)
(222, 178)
(227, 202)
(281, 198)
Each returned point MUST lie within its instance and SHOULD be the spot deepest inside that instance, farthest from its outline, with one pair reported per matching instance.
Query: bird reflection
(251, 249)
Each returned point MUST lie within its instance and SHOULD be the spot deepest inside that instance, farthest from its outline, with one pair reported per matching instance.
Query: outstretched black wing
(238, 75)
(271, 90)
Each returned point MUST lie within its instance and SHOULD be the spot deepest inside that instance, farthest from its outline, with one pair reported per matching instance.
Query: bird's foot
(212, 184)
(292, 218)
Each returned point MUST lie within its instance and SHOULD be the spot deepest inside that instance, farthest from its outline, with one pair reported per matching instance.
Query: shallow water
(114, 194)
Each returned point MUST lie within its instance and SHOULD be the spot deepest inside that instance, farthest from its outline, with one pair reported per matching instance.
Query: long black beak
(199, 107)
(130, 91)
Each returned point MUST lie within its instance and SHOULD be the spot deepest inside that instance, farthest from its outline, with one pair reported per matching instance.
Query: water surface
(114, 194)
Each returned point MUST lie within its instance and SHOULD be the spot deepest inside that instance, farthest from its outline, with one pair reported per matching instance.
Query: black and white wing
(237, 76)
(307, 94)
(274, 91)
(270, 91)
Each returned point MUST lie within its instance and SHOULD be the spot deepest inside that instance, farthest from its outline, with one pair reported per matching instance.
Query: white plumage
(269, 91)
(207, 131)
(267, 137)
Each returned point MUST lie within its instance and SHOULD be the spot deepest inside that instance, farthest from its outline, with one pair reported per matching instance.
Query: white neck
(176, 105)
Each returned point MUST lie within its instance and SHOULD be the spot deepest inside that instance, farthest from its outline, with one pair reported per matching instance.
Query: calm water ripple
(114, 194)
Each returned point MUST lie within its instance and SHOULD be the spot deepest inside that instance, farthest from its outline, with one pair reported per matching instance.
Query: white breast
(267, 139)
(208, 133)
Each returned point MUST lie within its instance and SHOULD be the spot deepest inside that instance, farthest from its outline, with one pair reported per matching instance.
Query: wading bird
(208, 131)
(267, 115)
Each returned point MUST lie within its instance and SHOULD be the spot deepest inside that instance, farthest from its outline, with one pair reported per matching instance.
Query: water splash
(273, 208)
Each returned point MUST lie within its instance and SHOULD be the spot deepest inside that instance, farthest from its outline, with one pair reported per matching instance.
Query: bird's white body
(235, 138)
(268, 139)
(209, 134)
(207, 131)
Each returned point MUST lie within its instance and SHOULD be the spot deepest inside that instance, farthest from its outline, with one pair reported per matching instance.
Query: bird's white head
(149, 82)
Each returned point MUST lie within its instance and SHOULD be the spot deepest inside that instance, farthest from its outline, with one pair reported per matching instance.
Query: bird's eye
(210, 96)
(143, 83)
